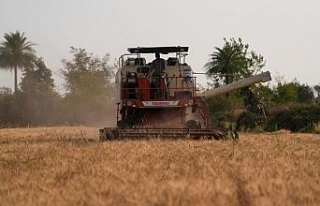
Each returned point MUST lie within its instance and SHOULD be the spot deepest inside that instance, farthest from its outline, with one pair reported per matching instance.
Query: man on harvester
(159, 77)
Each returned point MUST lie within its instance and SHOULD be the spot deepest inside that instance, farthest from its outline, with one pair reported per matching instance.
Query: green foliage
(6, 107)
(37, 81)
(37, 99)
(265, 92)
(230, 63)
(87, 75)
(16, 53)
(305, 94)
(317, 89)
(88, 84)
(292, 92)
(225, 109)
(286, 93)
(255, 115)
(299, 118)
(245, 108)
(288, 106)
(89, 89)
(223, 103)
(247, 121)
(221, 119)
(233, 61)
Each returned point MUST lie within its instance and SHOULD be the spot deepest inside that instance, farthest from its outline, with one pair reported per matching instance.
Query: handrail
(132, 90)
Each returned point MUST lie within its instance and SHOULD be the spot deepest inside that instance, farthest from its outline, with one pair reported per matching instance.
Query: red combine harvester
(160, 99)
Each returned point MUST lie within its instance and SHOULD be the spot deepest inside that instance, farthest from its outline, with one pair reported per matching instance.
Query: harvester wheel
(106, 135)
(193, 124)
(110, 135)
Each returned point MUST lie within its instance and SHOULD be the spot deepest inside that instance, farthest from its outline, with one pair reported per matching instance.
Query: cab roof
(161, 50)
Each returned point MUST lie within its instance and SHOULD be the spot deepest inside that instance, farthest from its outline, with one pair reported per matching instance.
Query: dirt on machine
(160, 98)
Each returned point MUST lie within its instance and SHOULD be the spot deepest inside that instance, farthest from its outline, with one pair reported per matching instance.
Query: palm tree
(223, 64)
(229, 62)
(16, 53)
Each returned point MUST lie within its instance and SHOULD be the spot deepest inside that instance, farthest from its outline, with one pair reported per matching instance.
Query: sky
(285, 32)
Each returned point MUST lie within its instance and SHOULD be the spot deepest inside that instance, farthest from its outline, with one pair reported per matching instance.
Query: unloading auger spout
(263, 77)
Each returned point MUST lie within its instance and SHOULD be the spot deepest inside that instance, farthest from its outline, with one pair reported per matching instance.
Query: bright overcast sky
(285, 32)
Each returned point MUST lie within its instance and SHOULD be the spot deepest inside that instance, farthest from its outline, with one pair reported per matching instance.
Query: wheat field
(69, 166)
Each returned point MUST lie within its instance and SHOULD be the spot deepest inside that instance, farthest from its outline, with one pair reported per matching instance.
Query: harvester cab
(154, 94)
(159, 98)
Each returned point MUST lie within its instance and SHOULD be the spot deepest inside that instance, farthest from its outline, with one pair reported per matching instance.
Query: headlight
(129, 103)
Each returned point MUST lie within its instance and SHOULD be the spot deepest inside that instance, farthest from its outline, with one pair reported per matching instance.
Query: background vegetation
(69, 166)
(88, 97)
(287, 105)
(88, 87)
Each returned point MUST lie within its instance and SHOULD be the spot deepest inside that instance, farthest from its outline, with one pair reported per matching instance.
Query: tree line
(90, 90)
(34, 101)
(287, 105)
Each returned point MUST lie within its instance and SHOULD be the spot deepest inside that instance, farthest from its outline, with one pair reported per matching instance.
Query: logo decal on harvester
(159, 103)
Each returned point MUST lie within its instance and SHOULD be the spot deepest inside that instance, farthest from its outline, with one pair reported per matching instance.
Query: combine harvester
(160, 99)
